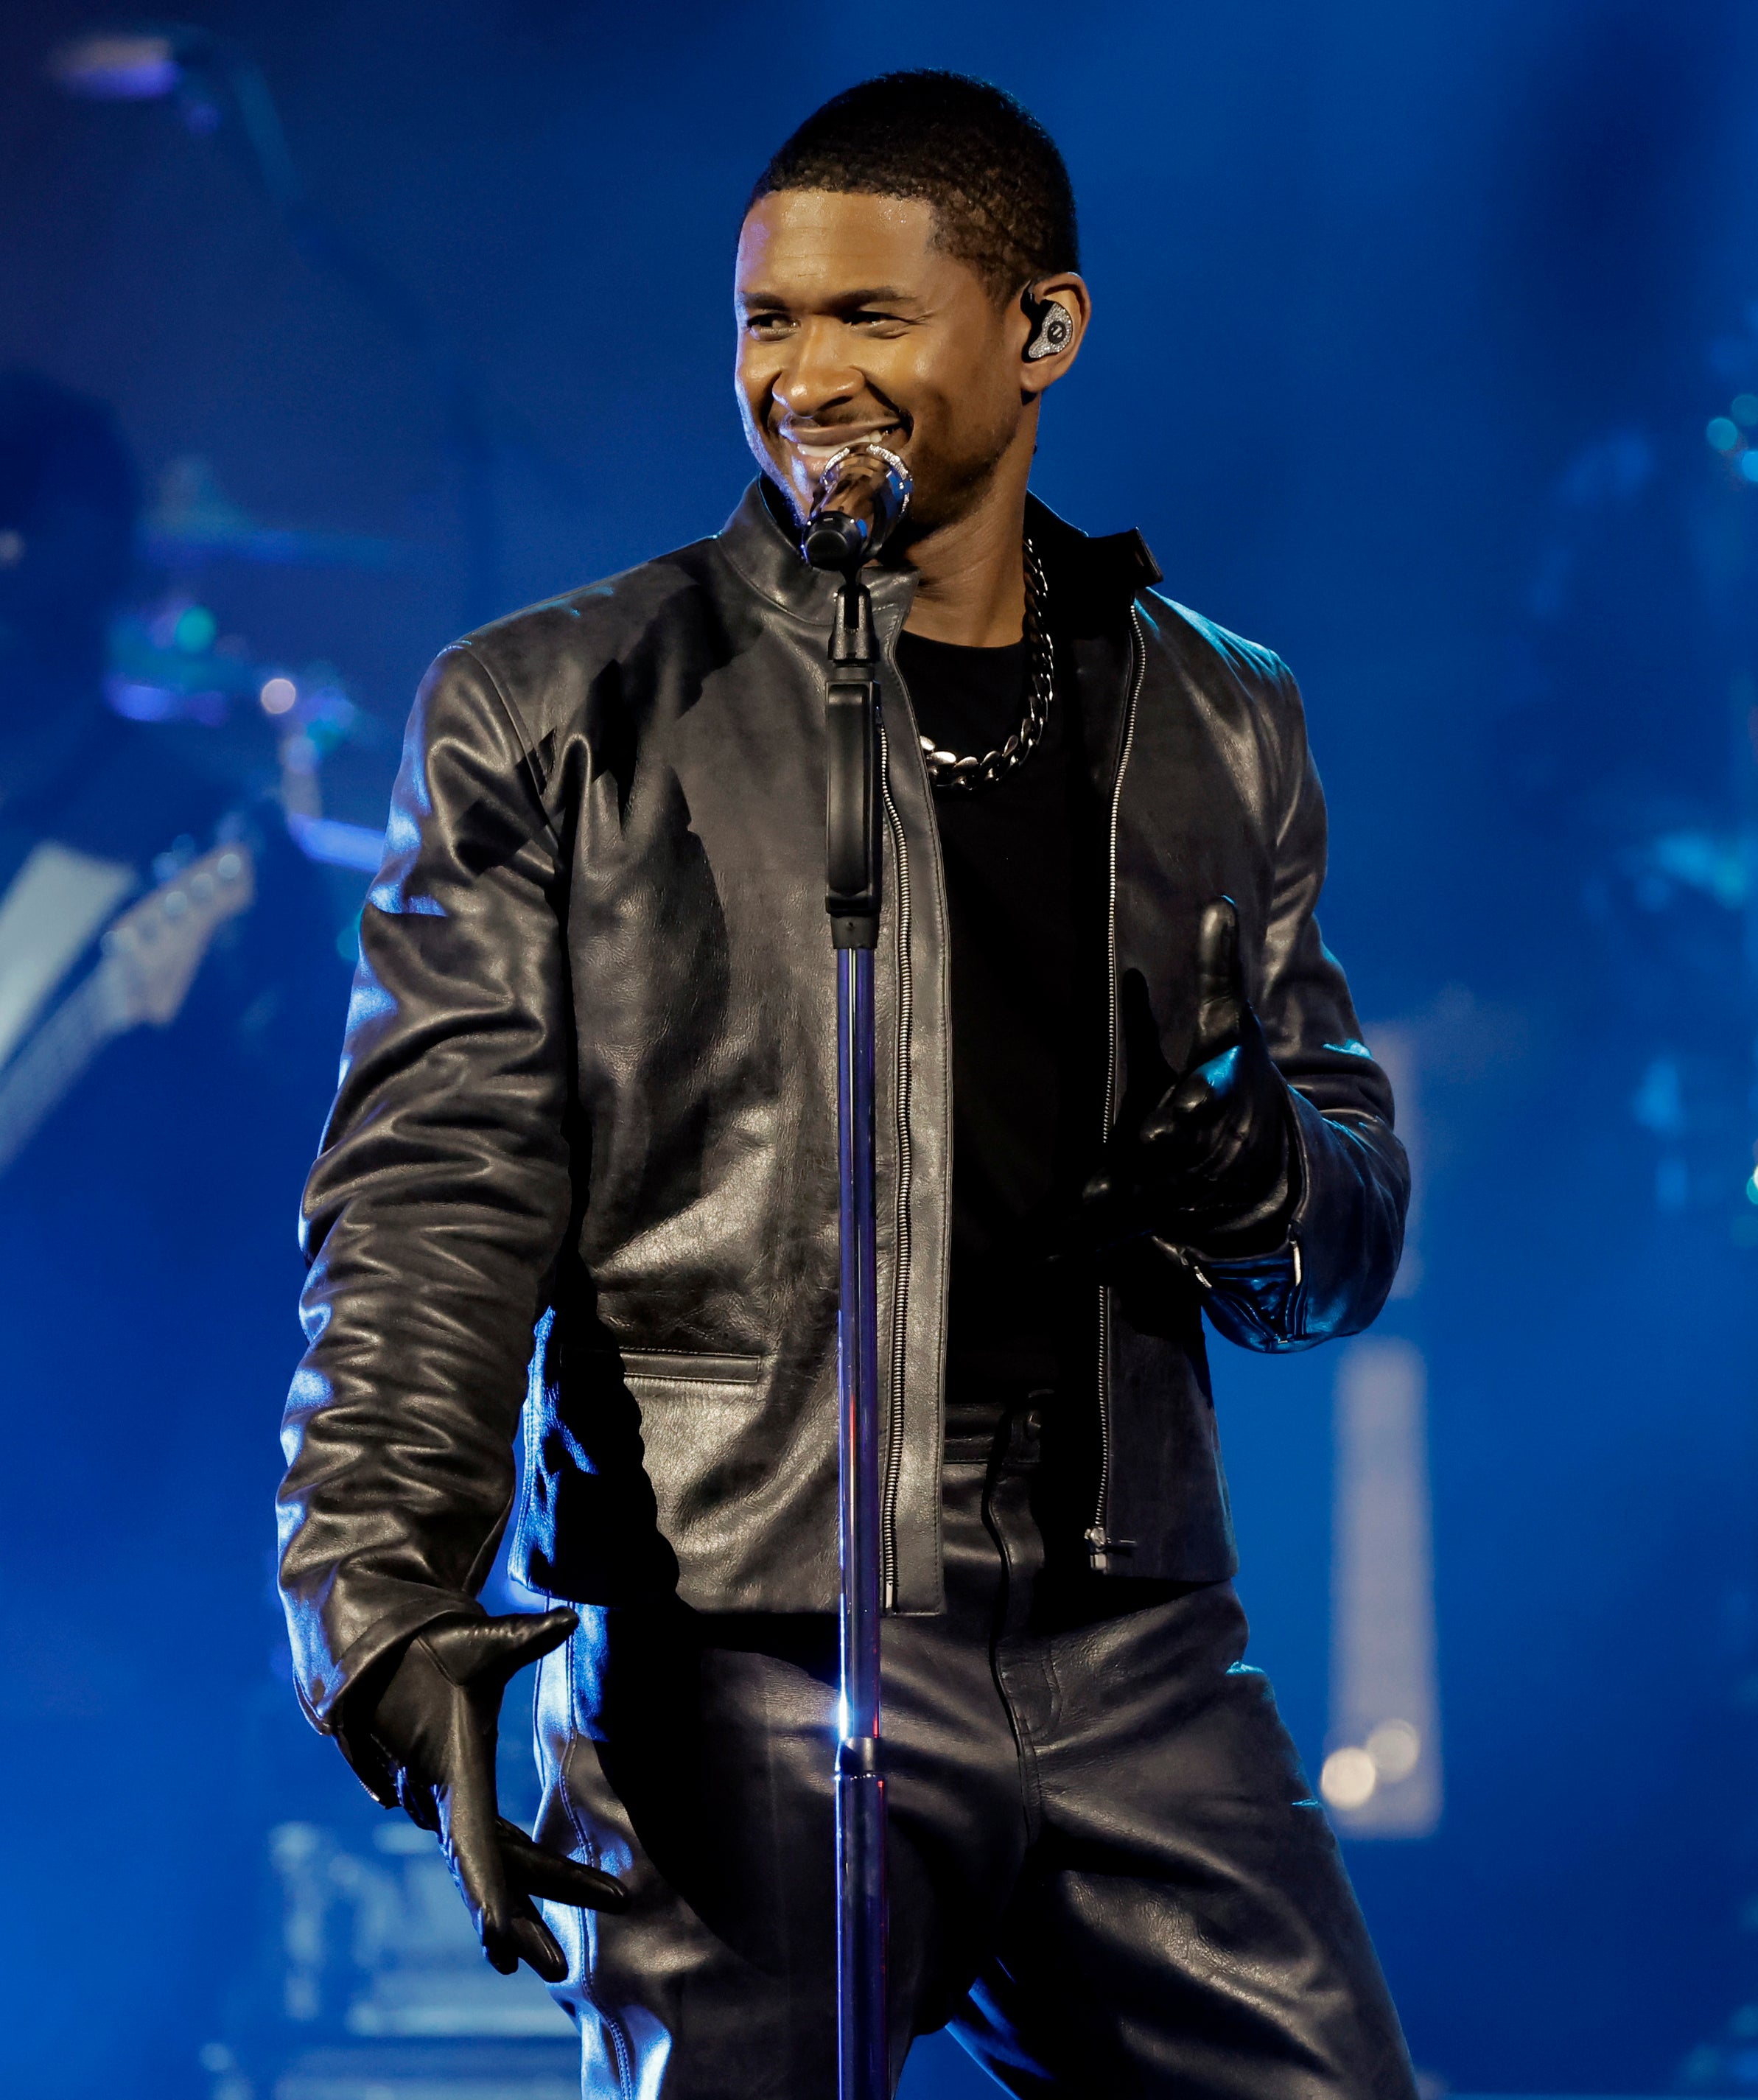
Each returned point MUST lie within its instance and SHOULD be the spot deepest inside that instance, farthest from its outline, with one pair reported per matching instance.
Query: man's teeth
(822, 447)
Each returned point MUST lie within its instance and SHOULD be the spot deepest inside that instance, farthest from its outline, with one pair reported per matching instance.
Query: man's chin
(798, 498)
(931, 509)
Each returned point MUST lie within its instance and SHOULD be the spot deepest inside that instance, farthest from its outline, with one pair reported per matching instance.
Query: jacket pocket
(691, 1367)
(735, 1497)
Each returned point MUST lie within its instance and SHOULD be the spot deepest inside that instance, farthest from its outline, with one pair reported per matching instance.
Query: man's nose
(816, 374)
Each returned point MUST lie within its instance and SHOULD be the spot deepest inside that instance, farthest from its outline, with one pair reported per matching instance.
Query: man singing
(588, 1090)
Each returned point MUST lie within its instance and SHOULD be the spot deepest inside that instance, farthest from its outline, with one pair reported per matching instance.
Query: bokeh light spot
(1349, 1779)
(1394, 1747)
(1745, 409)
(117, 66)
(1723, 432)
(278, 696)
(195, 630)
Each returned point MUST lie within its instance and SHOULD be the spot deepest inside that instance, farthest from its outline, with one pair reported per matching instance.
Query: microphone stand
(853, 870)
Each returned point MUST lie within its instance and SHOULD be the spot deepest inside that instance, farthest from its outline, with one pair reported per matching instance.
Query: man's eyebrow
(873, 295)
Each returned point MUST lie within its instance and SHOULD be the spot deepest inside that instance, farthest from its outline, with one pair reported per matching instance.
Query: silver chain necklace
(965, 776)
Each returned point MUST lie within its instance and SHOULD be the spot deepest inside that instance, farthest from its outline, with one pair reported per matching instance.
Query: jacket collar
(1090, 581)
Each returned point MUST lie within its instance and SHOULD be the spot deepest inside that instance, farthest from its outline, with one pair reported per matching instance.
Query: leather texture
(587, 1089)
(1198, 1160)
(433, 1729)
(1106, 1867)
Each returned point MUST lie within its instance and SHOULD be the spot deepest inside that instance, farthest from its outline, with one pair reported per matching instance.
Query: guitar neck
(52, 1061)
(150, 956)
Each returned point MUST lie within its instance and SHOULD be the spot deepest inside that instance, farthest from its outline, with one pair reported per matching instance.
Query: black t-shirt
(1025, 894)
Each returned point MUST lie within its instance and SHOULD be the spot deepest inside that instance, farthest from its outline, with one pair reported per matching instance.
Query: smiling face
(852, 325)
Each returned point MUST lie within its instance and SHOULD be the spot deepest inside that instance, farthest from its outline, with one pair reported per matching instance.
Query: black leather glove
(436, 1723)
(1203, 1160)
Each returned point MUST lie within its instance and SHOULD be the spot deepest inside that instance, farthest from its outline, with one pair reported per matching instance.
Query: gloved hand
(1201, 1160)
(436, 1723)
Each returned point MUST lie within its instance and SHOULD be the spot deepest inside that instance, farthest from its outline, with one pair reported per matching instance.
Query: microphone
(861, 494)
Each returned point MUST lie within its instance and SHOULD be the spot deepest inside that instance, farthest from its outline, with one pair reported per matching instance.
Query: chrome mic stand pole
(853, 864)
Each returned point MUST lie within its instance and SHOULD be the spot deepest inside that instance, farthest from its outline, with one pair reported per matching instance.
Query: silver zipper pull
(1100, 1545)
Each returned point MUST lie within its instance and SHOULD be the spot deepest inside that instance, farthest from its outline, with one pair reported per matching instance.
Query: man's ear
(1054, 313)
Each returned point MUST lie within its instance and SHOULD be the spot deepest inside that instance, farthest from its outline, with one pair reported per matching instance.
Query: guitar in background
(148, 959)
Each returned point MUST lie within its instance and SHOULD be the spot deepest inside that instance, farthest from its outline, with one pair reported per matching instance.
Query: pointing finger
(470, 1834)
(1220, 983)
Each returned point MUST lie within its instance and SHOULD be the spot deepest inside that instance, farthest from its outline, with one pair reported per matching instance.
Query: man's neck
(970, 575)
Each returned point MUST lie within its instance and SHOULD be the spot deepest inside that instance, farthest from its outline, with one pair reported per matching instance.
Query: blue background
(1382, 291)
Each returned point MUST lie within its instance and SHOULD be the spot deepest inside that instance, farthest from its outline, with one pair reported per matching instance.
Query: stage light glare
(1723, 432)
(1349, 1779)
(195, 630)
(1745, 409)
(1394, 1747)
(278, 696)
(116, 65)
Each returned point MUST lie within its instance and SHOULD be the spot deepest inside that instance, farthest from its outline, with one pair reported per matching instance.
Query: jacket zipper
(900, 1300)
(1098, 1540)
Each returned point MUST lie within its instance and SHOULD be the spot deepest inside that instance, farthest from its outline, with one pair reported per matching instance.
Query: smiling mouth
(814, 447)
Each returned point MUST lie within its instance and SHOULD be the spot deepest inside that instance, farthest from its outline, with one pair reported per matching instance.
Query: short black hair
(999, 188)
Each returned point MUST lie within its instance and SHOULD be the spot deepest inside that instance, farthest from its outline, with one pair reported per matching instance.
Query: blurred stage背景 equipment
(368, 1983)
(170, 986)
(1381, 1773)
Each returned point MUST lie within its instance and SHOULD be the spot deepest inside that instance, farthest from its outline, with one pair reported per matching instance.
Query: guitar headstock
(152, 951)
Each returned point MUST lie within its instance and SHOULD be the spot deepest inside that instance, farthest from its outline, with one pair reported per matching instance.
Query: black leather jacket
(587, 1088)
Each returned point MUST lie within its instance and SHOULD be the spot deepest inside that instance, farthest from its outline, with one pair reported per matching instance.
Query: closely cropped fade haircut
(999, 188)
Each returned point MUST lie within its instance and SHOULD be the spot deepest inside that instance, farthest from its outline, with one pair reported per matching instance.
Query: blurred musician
(167, 991)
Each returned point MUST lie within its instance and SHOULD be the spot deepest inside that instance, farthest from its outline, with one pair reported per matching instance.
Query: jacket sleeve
(1332, 1272)
(438, 1203)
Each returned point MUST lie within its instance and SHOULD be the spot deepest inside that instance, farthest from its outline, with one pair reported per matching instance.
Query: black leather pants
(1107, 1870)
